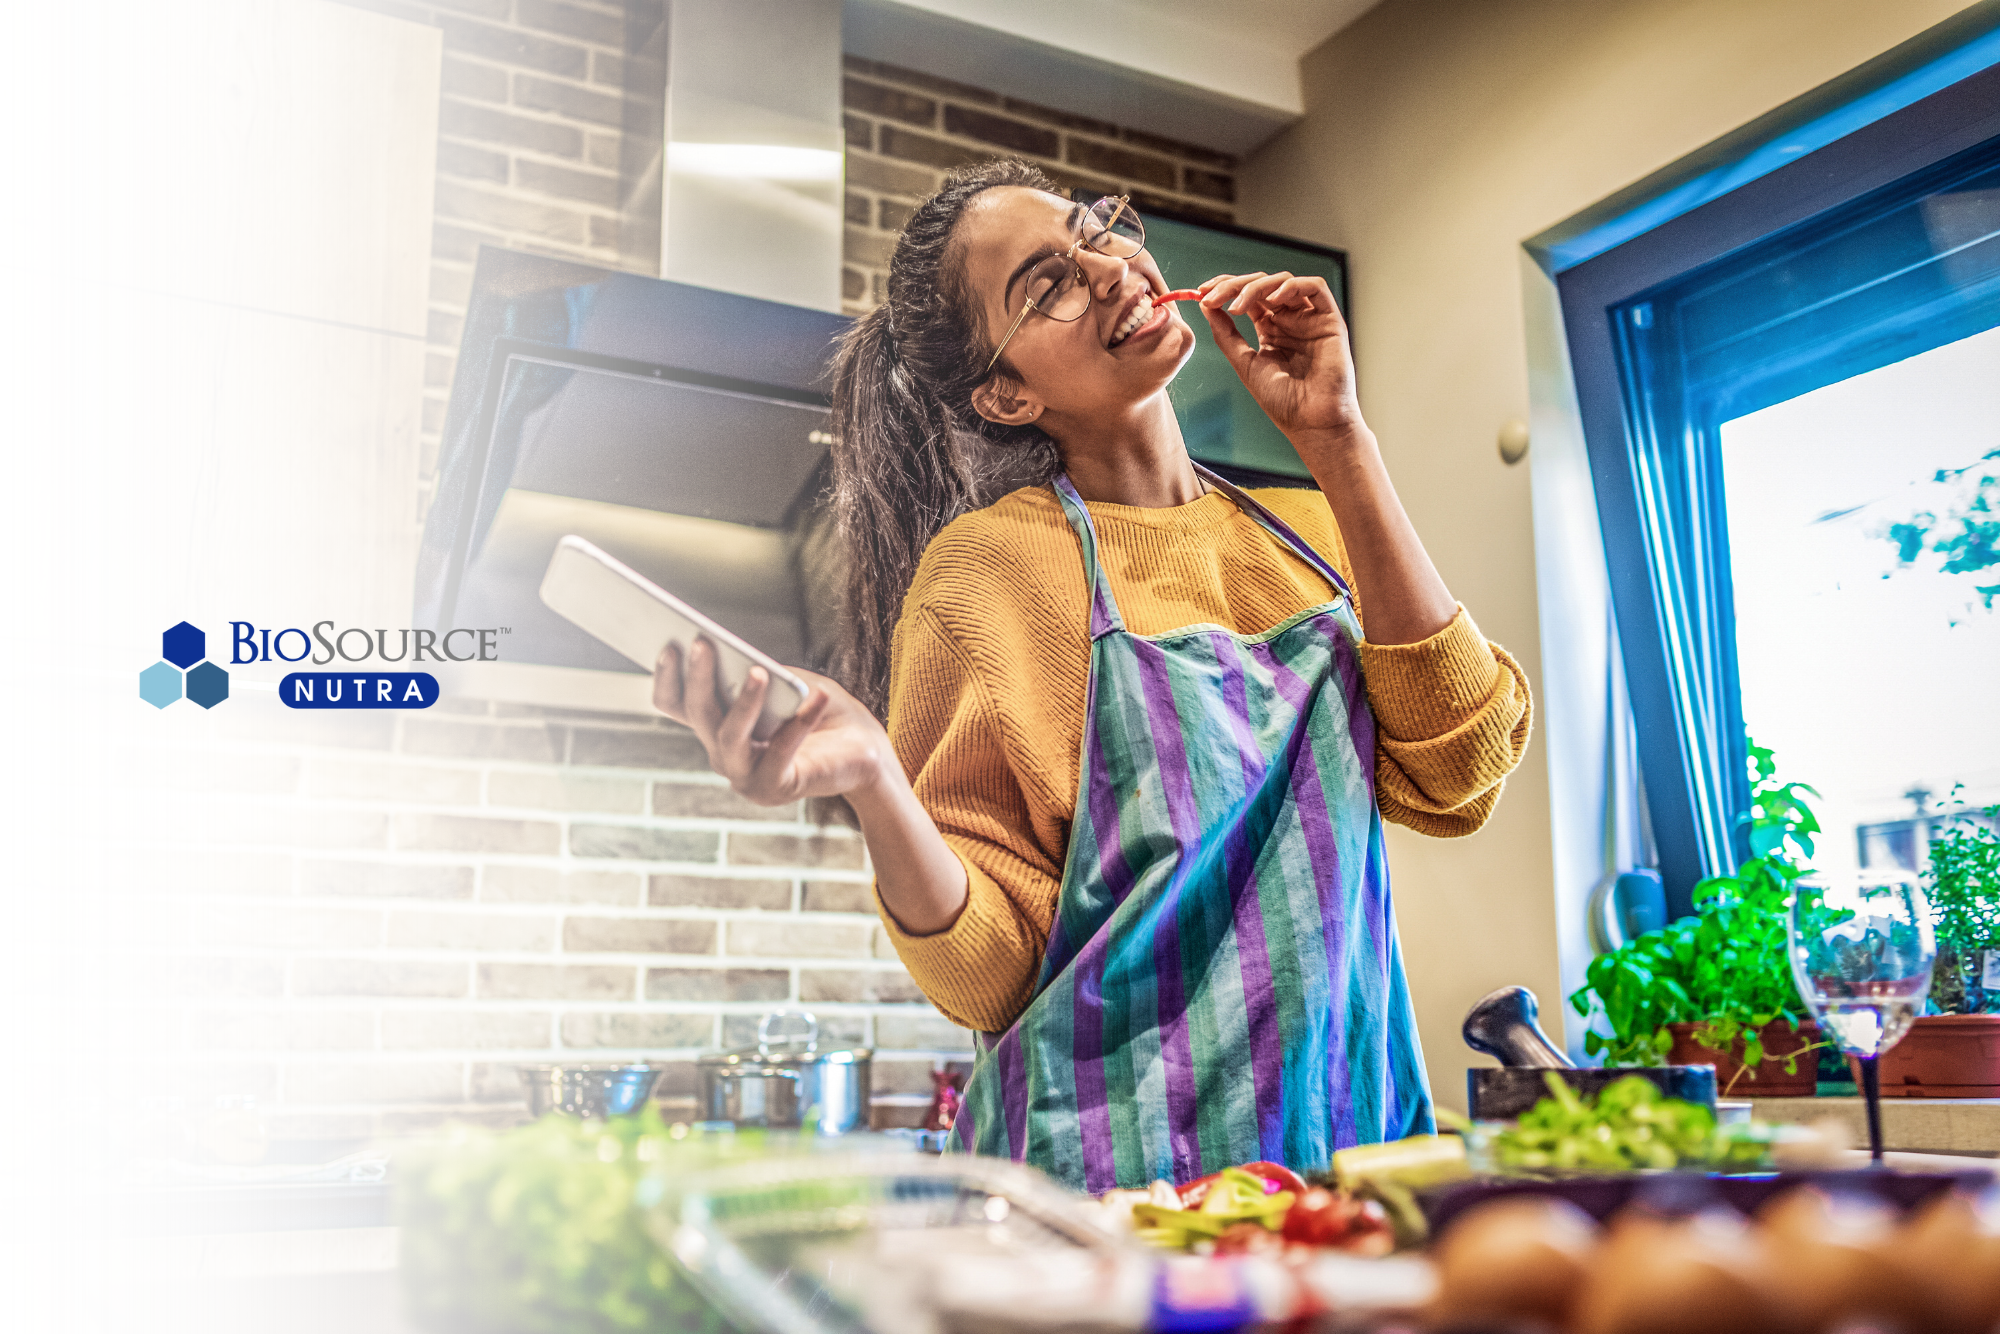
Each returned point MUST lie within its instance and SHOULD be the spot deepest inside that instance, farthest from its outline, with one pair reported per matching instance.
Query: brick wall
(905, 129)
(363, 921)
(549, 130)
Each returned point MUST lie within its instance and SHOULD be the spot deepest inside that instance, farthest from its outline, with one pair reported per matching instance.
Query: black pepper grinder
(1502, 1025)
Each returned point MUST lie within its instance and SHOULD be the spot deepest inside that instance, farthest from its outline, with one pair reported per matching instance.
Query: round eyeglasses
(1056, 287)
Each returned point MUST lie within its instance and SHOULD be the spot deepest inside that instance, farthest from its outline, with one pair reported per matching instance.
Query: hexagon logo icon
(160, 684)
(184, 645)
(208, 685)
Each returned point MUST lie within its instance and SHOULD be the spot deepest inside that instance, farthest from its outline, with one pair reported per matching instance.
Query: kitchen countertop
(303, 1281)
(1968, 1126)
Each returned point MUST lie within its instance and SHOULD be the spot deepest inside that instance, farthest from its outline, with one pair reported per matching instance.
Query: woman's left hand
(1301, 369)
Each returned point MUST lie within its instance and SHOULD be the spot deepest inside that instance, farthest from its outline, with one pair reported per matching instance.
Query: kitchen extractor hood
(678, 422)
(753, 149)
(682, 429)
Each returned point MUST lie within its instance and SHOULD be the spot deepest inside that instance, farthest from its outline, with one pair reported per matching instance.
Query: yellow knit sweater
(987, 686)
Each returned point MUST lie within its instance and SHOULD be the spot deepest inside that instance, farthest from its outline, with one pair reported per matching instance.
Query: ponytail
(910, 454)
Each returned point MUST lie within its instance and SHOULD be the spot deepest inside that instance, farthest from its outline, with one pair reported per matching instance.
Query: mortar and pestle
(1501, 1024)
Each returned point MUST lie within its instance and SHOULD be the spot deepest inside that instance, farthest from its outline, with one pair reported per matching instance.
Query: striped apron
(1222, 981)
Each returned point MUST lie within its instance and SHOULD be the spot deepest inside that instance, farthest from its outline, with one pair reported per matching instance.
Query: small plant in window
(1723, 969)
(1963, 882)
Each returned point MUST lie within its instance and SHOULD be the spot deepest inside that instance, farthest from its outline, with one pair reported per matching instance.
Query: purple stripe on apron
(1260, 1002)
(1360, 719)
(1177, 790)
(1103, 620)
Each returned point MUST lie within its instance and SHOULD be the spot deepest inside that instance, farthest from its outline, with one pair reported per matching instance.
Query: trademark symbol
(506, 629)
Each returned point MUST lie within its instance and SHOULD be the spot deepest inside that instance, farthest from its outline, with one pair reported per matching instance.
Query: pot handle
(764, 1042)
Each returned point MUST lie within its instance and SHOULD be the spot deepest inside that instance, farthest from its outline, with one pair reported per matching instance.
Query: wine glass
(1861, 954)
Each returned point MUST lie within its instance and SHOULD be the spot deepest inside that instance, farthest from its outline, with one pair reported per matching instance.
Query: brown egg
(1829, 1263)
(1511, 1260)
(1949, 1249)
(1700, 1275)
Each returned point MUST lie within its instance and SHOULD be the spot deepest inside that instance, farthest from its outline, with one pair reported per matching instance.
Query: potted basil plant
(1716, 988)
(1956, 1052)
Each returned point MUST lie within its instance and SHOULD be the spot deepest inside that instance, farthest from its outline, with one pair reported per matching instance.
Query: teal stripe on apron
(1222, 981)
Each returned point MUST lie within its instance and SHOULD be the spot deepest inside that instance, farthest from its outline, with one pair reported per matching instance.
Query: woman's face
(1089, 370)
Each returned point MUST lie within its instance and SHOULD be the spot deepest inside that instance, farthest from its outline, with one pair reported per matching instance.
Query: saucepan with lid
(783, 1080)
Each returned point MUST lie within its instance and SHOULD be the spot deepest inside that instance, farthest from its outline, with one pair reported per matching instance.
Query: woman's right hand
(831, 747)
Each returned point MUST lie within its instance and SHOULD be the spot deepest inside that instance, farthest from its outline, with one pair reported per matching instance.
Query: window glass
(1771, 371)
(1862, 520)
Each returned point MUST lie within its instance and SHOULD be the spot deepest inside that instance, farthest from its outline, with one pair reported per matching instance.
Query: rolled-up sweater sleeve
(980, 970)
(1452, 714)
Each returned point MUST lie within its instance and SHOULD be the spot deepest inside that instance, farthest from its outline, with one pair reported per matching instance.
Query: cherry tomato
(1327, 1218)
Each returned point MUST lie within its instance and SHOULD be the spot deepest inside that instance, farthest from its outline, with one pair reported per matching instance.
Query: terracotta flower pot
(1944, 1056)
(1767, 1080)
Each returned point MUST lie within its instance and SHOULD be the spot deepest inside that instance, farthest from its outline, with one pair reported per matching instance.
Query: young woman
(1125, 814)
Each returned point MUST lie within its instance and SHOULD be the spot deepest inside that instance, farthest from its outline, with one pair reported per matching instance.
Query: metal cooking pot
(778, 1082)
(589, 1091)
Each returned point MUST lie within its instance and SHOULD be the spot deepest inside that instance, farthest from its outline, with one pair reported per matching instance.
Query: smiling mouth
(1133, 322)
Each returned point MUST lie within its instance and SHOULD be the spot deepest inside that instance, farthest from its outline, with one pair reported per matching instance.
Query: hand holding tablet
(616, 604)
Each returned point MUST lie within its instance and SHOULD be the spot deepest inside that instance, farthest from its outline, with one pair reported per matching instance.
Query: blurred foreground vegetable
(1416, 1162)
(1390, 1175)
(536, 1230)
(1630, 1126)
(1232, 1196)
(1256, 1208)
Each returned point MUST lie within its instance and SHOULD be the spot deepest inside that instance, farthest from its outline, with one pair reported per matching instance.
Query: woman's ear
(1003, 401)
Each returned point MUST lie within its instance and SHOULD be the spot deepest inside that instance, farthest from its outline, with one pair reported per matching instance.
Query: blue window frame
(1808, 274)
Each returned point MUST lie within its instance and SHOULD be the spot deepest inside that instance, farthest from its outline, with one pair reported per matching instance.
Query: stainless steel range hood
(751, 190)
(679, 424)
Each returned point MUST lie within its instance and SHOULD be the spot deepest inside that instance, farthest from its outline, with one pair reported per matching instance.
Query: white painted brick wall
(364, 921)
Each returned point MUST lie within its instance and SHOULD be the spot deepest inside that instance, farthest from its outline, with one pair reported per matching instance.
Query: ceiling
(1224, 73)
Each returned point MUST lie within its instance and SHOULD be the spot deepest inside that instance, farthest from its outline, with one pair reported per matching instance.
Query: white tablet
(615, 603)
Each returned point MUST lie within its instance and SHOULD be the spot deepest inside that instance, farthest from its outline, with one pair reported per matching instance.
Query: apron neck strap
(1104, 617)
(1278, 528)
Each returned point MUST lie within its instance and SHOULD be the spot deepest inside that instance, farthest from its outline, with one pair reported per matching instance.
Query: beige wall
(1438, 135)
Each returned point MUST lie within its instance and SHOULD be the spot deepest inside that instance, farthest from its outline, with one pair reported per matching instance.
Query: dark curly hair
(910, 454)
